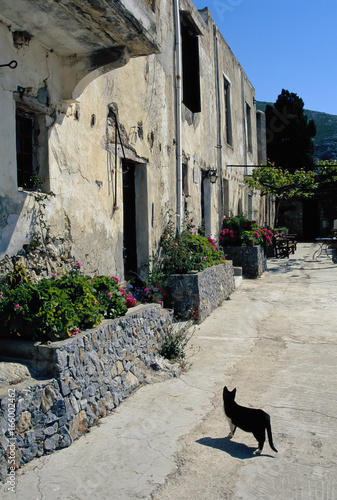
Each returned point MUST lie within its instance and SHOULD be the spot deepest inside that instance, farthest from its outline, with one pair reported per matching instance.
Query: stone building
(125, 110)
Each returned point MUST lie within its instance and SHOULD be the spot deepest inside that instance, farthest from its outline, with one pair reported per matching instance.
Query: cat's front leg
(232, 428)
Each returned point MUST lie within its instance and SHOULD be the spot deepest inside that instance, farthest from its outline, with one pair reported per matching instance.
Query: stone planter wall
(252, 259)
(84, 377)
(196, 295)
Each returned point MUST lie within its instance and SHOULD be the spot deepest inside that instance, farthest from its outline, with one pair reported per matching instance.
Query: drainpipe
(219, 123)
(178, 71)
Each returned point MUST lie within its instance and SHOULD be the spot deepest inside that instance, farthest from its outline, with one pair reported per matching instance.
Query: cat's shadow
(236, 450)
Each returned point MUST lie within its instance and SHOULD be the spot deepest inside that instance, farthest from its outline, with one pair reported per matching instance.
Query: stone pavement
(275, 340)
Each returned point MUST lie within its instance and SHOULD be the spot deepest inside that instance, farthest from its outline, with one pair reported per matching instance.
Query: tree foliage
(300, 184)
(289, 133)
(271, 179)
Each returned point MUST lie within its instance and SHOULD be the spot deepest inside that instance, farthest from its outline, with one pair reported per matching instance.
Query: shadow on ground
(236, 450)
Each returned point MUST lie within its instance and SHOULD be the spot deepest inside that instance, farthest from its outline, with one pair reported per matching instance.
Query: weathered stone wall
(196, 295)
(84, 378)
(76, 144)
(40, 262)
(252, 259)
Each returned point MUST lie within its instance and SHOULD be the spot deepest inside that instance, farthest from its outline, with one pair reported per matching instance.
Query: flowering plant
(239, 230)
(187, 251)
(59, 307)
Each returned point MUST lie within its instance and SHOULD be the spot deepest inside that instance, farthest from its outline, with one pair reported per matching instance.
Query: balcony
(87, 34)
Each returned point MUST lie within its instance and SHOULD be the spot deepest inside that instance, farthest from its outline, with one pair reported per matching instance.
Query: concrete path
(275, 341)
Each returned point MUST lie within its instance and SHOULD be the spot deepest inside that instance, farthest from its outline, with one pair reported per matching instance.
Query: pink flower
(204, 258)
(114, 278)
(146, 290)
(130, 301)
(74, 331)
(256, 234)
(53, 275)
(18, 306)
(89, 281)
(78, 264)
(194, 225)
(110, 294)
(123, 292)
(231, 233)
(222, 238)
(159, 288)
(211, 241)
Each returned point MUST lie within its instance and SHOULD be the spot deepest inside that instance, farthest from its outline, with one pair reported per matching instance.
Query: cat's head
(228, 395)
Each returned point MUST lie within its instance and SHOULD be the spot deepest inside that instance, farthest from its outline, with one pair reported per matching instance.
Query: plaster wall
(80, 162)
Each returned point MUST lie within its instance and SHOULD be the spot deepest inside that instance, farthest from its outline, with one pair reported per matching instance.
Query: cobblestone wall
(252, 259)
(88, 376)
(196, 295)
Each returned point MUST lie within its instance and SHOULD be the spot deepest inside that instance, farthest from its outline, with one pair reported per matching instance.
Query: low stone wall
(252, 259)
(85, 377)
(196, 295)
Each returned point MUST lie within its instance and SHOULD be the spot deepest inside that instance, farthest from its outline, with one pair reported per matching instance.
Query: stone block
(51, 429)
(252, 259)
(24, 422)
(197, 294)
(48, 398)
(51, 443)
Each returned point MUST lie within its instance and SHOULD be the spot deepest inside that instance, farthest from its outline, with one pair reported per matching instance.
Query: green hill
(326, 132)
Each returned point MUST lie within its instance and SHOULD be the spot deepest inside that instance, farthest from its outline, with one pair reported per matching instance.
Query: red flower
(130, 301)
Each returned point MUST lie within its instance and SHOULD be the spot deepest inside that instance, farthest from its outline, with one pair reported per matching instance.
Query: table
(323, 245)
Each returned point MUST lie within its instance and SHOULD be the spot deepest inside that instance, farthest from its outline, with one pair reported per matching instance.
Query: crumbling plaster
(88, 207)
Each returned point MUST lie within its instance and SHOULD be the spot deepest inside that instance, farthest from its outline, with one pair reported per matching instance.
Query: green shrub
(185, 252)
(175, 341)
(54, 309)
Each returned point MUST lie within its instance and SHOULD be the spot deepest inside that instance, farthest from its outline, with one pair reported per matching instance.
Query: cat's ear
(234, 392)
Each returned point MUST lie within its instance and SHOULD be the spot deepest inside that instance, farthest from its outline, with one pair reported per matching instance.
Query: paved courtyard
(275, 341)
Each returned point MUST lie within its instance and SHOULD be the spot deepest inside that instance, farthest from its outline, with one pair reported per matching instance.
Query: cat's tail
(270, 437)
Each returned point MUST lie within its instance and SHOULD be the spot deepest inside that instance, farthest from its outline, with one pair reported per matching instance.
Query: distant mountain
(325, 140)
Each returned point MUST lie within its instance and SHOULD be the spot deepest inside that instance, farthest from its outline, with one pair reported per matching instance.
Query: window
(225, 201)
(228, 117)
(185, 180)
(25, 148)
(249, 128)
(190, 63)
(31, 141)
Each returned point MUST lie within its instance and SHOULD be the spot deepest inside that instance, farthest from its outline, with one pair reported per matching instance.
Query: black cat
(247, 419)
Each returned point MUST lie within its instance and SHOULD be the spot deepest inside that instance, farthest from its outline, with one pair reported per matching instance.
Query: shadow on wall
(15, 219)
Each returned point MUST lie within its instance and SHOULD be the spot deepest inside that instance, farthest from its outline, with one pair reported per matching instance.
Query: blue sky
(290, 44)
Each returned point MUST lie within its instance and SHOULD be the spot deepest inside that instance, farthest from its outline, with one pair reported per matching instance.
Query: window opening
(190, 63)
(249, 128)
(228, 118)
(185, 179)
(25, 148)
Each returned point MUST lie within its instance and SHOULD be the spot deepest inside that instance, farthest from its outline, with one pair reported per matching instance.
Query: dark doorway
(129, 220)
(311, 225)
